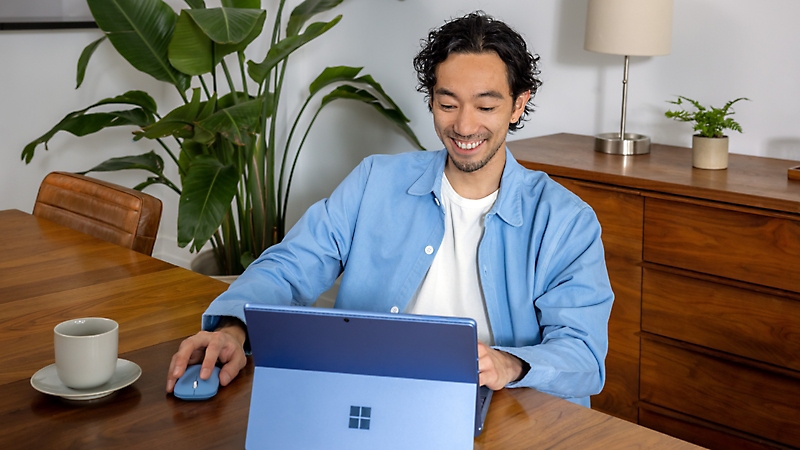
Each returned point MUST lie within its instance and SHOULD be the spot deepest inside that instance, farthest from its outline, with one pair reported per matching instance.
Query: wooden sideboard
(704, 336)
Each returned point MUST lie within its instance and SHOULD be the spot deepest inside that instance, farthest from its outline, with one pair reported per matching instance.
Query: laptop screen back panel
(419, 372)
(302, 409)
(395, 345)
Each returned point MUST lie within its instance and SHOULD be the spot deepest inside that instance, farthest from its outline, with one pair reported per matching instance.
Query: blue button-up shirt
(541, 263)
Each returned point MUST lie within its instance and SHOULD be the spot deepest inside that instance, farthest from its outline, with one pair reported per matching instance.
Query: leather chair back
(104, 210)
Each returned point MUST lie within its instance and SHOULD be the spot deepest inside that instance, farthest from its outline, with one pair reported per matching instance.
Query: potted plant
(709, 145)
(235, 174)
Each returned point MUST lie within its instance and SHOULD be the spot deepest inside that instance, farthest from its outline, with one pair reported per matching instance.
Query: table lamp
(629, 28)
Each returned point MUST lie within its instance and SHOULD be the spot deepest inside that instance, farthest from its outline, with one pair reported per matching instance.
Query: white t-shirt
(452, 285)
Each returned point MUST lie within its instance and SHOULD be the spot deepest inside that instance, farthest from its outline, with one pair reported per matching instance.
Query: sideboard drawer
(694, 430)
(733, 395)
(747, 246)
(755, 325)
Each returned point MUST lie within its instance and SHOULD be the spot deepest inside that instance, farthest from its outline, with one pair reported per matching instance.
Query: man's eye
(487, 109)
(446, 107)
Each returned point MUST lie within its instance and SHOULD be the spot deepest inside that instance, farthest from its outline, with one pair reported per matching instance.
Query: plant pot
(710, 153)
(205, 263)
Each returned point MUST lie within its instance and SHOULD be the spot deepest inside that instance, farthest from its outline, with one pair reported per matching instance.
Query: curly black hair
(479, 33)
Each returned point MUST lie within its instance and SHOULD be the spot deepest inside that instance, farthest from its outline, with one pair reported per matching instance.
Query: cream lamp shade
(629, 28)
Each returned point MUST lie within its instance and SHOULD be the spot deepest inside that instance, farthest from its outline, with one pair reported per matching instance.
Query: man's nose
(467, 123)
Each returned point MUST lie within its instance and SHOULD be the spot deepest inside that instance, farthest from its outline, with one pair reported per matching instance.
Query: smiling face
(472, 107)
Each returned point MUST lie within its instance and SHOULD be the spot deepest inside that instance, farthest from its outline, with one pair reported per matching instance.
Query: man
(465, 231)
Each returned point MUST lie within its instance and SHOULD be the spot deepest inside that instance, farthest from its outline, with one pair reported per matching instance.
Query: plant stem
(171, 185)
(183, 94)
(273, 123)
(282, 222)
(242, 71)
(277, 26)
(271, 207)
(230, 82)
(286, 150)
(171, 155)
(205, 88)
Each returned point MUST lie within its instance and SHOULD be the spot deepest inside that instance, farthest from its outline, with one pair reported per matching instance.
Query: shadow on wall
(569, 51)
(783, 148)
(569, 42)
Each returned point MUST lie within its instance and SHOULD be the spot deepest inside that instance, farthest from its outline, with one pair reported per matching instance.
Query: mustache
(472, 137)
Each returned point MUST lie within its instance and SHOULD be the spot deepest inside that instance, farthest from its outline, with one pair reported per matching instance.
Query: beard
(470, 166)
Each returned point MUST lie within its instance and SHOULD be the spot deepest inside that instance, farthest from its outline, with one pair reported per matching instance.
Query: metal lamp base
(633, 144)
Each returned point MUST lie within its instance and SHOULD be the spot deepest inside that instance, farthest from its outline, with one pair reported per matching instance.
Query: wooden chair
(104, 210)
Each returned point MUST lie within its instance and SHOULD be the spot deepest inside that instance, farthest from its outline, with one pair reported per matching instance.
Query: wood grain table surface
(49, 274)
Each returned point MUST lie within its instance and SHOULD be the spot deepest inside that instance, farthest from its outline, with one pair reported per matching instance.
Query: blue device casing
(185, 389)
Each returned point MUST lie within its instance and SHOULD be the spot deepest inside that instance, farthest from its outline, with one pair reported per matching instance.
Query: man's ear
(519, 106)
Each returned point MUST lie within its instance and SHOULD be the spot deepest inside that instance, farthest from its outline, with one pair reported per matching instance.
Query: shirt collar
(509, 200)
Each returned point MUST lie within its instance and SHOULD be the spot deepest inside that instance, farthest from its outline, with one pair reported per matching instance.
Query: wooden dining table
(49, 274)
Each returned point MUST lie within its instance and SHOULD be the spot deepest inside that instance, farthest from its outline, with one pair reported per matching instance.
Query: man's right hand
(225, 344)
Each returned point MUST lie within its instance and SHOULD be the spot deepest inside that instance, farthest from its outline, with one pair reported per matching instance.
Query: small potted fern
(709, 145)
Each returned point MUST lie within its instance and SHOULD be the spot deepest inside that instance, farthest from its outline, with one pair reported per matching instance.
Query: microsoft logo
(359, 417)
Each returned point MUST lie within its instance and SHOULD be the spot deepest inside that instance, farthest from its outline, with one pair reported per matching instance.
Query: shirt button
(436, 200)
(395, 310)
(429, 250)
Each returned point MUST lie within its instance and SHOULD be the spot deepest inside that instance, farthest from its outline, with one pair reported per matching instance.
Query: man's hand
(497, 368)
(225, 344)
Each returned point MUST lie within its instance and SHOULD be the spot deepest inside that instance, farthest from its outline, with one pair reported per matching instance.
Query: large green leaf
(155, 180)
(201, 37)
(167, 126)
(197, 4)
(226, 25)
(333, 75)
(305, 11)
(179, 121)
(83, 61)
(394, 115)
(149, 161)
(252, 4)
(92, 123)
(237, 123)
(141, 30)
(79, 123)
(208, 190)
(225, 49)
(229, 100)
(278, 52)
(367, 79)
(137, 98)
(136, 116)
(74, 124)
(190, 150)
(190, 50)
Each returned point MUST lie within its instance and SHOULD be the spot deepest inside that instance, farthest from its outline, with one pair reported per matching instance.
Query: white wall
(722, 49)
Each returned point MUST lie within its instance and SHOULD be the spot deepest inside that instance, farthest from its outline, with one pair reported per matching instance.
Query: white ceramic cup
(86, 351)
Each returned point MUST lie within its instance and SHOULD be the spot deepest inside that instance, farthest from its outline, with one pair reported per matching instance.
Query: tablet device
(328, 378)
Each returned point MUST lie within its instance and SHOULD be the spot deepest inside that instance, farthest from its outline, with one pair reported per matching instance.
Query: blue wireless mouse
(191, 387)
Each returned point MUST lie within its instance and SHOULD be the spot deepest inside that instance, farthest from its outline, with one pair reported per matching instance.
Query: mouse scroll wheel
(194, 385)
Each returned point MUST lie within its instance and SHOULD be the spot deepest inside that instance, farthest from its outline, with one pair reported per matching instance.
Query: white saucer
(46, 381)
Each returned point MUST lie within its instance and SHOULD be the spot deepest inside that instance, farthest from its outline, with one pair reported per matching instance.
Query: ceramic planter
(710, 153)
(204, 263)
